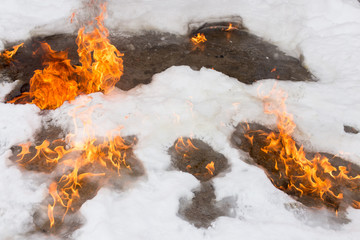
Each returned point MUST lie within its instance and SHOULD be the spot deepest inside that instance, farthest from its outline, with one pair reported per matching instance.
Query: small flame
(8, 55)
(230, 28)
(184, 146)
(72, 17)
(211, 168)
(199, 38)
(60, 81)
(273, 70)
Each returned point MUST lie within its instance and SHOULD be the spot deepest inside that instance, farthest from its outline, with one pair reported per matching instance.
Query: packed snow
(205, 104)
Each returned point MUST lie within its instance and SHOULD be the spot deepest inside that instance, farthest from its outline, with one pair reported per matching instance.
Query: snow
(204, 104)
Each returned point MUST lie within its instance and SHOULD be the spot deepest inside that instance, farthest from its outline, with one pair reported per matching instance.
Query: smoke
(86, 14)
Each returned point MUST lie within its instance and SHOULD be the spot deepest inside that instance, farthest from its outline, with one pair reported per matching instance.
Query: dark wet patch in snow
(121, 180)
(236, 53)
(276, 172)
(350, 129)
(203, 208)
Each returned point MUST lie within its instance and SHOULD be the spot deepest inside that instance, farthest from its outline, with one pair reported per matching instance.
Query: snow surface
(205, 104)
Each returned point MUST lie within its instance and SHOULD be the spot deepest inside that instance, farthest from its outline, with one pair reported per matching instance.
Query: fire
(101, 68)
(230, 28)
(184, 147)
(8, 55)
(211, 168)
(199, 38)
(78, 161)
(314, 177)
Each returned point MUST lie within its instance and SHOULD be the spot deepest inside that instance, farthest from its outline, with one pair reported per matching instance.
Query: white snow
(204, 104)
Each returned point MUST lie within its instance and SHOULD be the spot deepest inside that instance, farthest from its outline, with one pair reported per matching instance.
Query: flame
(199, 38)
(182, 146)
(230, 28)
(210, 167)
(315, 177)
(8, 55)
(101, 68)
(273, 70)
(78, 161)
(72, 17)
(109, 155)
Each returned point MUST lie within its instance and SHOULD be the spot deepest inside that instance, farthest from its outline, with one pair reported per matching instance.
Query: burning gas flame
(78, 161)
(315, 177)
(230, 28)
(211, 168)
(8, 55)
(183, 147)
(199, 38)
(101, 68)
(110, 155)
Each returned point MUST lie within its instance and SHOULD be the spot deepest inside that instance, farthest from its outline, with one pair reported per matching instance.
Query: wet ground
(275, 170)
(89, 186)
(236, 53)
(200, 160)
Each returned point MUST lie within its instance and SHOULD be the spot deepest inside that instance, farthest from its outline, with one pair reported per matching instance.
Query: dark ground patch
(278, 176)
(89, 185)
(203, 208)
(236, 53)
(350, 129)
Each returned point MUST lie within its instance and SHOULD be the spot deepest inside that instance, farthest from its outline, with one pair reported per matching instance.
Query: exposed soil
(276, 172)
(89, 185)
(203, 208)
(236, 53)
(350, 129)
(195, 160)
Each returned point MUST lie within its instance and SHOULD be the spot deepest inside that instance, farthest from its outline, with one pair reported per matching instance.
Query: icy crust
(207, 105)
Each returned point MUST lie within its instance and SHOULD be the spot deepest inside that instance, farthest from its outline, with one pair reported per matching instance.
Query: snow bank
(21, 19)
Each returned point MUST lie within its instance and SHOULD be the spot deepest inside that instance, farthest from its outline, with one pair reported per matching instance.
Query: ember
(60, 81)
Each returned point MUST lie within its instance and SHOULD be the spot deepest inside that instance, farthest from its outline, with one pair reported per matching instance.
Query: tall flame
(315, 177)
(101, 68)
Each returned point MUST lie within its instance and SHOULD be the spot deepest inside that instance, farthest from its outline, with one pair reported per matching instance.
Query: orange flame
(199, 38)
(78, 161)
(7, 55)
(101, 68)
(211, 168)
(315, 177)
(230, 28)
(110, 154)
(184, 147)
